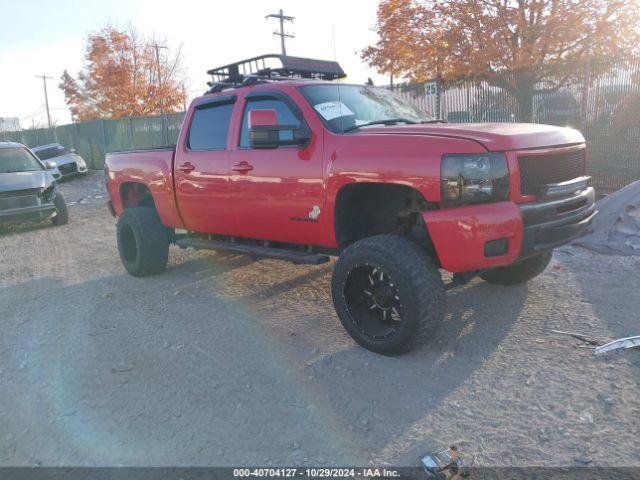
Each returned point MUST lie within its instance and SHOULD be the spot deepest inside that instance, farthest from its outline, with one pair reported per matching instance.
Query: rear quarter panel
(153, 168)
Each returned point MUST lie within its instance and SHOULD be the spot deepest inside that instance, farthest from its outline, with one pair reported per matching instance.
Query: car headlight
(474, 178)
(81, 162)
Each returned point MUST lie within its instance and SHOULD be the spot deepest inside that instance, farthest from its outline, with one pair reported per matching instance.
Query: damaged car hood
(493, 136)
(25, 180)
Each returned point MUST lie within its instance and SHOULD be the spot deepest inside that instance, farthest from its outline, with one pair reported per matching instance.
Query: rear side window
(285, 117)
(209, 127)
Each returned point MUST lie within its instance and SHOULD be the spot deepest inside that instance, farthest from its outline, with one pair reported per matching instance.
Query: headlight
(81, 162)
(475, 178)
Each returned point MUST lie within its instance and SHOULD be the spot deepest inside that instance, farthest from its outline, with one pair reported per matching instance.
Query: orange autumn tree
(525, 47)
(123, 76)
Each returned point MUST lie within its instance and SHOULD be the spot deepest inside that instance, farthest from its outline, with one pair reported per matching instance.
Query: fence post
(165, 129)
(104, 141)
(585, 92)
(130, 133)
(438, 98)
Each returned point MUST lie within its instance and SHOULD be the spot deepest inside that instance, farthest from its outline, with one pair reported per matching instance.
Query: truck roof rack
(272, 67)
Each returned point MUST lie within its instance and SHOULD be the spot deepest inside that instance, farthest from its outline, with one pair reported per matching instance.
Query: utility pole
(46, 97)
(184, 98)
(157, 48)
(282, 18)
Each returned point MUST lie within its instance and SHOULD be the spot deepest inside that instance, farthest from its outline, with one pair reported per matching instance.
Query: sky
(46, 37)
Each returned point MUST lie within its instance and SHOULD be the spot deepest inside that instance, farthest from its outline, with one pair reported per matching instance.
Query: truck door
(202, 169)
(277, 193)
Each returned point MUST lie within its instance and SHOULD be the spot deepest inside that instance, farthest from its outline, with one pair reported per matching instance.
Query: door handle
(242, 167)
(187, 167)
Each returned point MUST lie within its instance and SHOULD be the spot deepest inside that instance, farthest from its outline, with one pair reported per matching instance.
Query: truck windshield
(346, 107)
(18, 160)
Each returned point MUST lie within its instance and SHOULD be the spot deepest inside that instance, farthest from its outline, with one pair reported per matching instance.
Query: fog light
(494, 248)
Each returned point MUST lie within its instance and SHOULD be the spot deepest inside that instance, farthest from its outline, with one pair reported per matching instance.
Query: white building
(9, 124)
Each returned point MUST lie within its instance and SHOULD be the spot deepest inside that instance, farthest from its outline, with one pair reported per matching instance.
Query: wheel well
(136, 195)
(367, 209)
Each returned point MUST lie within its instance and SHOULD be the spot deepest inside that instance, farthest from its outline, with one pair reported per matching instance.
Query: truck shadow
(212, 344)
(379, 401)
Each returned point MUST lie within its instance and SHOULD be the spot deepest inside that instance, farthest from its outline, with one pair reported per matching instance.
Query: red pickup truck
(286, 163)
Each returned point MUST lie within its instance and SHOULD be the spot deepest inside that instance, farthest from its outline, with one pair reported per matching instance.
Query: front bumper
(33, 213)
(68, 170)
(553, 223)
(460, 235)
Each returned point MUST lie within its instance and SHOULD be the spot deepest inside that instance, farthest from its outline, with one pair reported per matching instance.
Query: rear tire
(519, 273)
(62, 214)
(388, 294)
(143, 243)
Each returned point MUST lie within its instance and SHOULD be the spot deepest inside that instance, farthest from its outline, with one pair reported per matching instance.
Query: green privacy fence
(92, 140)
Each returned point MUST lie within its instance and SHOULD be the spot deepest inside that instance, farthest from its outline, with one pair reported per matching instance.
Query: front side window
(285, 117)
(209, 127)
(51, 152)
(345, 107)
(18, 160)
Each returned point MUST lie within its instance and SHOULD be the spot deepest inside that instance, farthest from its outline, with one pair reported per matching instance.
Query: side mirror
(73, 150)
(49, 165)
(264, 131)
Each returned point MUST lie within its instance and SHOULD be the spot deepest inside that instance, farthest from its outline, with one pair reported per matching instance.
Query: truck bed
(150, 166)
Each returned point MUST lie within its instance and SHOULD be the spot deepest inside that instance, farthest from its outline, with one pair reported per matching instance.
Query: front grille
(538, 170)
(19, 199)
(68, 168)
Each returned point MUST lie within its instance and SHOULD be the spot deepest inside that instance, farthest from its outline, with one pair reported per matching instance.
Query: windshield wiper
(22, 170)
(388, 121)
(435, 120)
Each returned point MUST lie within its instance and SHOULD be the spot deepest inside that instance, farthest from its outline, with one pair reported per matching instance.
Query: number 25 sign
(431, 88)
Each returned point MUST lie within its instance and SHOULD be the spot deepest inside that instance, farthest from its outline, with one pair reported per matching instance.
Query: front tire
(143, 243)
(388, 294)
(62, 214)
(521, 272)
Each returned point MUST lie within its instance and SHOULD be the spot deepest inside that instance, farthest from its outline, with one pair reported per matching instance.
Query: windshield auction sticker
(331, 110)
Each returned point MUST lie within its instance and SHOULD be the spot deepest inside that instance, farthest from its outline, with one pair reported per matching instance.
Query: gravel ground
(222, 360)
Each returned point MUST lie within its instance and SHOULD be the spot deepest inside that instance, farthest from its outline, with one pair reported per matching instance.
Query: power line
(33, 114)
(46, 96)
(282, 18)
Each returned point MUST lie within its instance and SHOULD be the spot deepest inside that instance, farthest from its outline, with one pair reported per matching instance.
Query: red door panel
(276, 194)
(280, 197)
(202, 168)
(202, 191)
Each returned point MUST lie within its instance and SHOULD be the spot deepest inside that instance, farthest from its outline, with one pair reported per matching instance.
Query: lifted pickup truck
(284, 163)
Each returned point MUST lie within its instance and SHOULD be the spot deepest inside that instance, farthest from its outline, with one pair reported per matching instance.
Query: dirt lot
(223, 361)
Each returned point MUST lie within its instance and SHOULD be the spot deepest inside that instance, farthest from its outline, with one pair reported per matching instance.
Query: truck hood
(10, 182)
(493, 136)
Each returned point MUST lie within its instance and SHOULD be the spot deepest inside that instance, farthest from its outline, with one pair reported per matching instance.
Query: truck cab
(287, 163)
